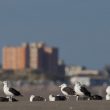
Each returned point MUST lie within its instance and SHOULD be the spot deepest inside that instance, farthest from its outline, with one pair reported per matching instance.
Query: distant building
(86, 76)
(16, 58)
(80, 71)
(51, 59)
(35, 56)
(91, 81)
(61, 68)
(43, 58)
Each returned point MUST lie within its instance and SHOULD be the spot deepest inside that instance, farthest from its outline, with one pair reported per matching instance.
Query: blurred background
(50, 42)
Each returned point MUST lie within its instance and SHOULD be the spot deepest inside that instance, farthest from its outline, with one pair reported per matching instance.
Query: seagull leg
(77, 98)
(88, 98)
(10, 99)
(67, 98)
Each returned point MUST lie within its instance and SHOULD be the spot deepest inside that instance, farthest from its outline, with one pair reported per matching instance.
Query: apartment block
(43, 57)
(16, 57)
(51, 62)
(37, 56)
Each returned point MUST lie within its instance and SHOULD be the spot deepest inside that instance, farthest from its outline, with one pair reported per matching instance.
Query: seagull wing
(61, 97)
(38, 98)
(96, 97)
(85, 91)
(15, 92)
(69, 90)
(14, 100)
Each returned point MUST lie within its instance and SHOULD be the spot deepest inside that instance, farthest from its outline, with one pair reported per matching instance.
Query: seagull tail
(21, 95)
(90, 96)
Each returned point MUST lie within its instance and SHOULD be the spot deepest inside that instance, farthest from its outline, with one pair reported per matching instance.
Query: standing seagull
(108, 90)
(80, 90)
(10, 92)
(67, 91)
(108, 93)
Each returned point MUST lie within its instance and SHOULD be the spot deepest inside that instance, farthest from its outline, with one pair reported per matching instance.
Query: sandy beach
(24, 104)
(66, 105)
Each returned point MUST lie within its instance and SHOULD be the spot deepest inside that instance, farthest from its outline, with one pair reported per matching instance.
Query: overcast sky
(79, 28)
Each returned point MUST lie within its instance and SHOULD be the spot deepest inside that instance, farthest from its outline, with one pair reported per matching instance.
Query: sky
(79, 28)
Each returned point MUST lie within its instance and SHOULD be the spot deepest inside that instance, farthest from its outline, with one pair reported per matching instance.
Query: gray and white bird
(107, 96)
(81, 90)
(10, 92)
(108, 90)
(4, 99)
(67, 91)
(57, 98)
(108, 93)
(36, 98)
(96, 97)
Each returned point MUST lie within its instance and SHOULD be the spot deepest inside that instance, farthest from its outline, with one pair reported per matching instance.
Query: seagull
(10, 92)
(57, 98)
(108, 93)
(108, 97)
(80, 90)
(96, 97)
(67, 91)
(36, 98)
(4, 99)
(108, 90)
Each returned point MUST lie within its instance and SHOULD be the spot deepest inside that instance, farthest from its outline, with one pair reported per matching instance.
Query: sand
(72, 104)
(66, 105)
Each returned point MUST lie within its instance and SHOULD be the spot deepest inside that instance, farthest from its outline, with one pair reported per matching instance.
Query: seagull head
(63, 85)
(51, 97)
(78, 83)
(5, 82)
(32, 96)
